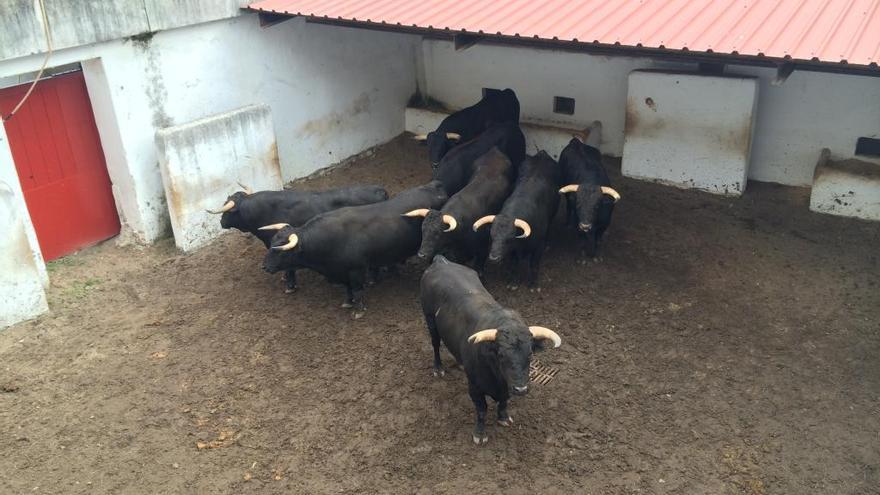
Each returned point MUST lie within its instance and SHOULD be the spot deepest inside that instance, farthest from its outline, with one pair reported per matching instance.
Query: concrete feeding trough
(848, 188)
(690, 130)
(202, 162)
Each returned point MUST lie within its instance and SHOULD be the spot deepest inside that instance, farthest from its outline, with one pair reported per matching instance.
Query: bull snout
(585, 227)
(494, 258)
(422, 255)
(523, 390)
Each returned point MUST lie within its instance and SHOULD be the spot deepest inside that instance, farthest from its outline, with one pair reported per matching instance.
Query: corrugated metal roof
(837, 31)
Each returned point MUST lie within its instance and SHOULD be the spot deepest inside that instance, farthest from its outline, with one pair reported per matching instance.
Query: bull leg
(435, 342)
(356, 291)
(290, 281)
(504, 418)
(513, 271)
(373, 276)
(349, 297)
(479, 400)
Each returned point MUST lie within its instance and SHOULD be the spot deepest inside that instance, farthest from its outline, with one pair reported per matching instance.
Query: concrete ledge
(202, 161)
(538, 137)
(848, 188)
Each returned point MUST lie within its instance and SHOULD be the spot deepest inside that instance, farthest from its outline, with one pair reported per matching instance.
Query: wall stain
(155, 89)
(272, 159)
(328, 124)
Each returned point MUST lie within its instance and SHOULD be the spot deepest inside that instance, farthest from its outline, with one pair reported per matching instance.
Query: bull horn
(454, 136)
(611, 192)
(228, 206)
(450, 220)
(246, 189)
(420, 137)
(483, 221)
(542, 333)
(569, 188)
(421, 212)
(527, 230)
(483, 336)
(292, 239)
(274, 226)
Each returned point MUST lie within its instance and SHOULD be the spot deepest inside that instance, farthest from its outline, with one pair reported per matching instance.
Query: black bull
(493, 343)
(248, 212)
(470, 122)
(344, 244)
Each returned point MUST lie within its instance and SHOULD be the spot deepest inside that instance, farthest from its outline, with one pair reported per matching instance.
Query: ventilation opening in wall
(563, 105)
(868, 147)
(491, 92)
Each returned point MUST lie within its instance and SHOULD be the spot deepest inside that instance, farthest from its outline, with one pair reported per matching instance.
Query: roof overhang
(464, 38)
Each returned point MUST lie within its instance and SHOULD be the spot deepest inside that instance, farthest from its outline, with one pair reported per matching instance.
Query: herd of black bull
(487, 200)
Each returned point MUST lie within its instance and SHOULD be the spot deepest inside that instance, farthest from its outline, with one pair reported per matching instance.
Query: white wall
(333, 91)
(22, 271)
(794, 121)
(198, 175)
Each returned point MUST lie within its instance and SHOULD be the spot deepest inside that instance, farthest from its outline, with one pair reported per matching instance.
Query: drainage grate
(540, 373)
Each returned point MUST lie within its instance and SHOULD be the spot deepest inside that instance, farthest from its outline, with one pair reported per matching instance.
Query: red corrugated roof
(835, 31)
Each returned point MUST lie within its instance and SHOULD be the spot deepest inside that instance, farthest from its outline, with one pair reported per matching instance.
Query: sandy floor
(720, 346)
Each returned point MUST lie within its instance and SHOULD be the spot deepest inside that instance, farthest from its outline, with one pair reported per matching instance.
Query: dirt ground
(719, 346)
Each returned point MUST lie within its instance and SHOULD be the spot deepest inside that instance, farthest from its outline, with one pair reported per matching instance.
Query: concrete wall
(810, 111)
(75, 23)
(333, 91)
(690, 130)
(22, 271)
(199, 175)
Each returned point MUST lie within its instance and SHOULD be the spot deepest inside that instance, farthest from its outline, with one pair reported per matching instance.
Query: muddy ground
(719, 346)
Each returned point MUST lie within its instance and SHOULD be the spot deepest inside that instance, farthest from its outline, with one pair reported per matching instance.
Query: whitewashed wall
(794, 122)
(333, 91)
(22, 271)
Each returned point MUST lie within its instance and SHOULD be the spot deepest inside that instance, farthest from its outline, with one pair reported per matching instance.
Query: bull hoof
(289, 290)
(535, 289)
(357, 315)
(480, 440)
(506, 422)
(347, 305)
(438, 373)
(513, 287)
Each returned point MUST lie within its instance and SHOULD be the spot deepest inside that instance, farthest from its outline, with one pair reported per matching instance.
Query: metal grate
(540, 373)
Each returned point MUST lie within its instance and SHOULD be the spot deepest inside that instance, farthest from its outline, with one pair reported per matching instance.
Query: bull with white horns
(519, 230)
(470, 122)
(492, 343)
(262, 213)
(344, 244)
(590, 199)
(448, 229)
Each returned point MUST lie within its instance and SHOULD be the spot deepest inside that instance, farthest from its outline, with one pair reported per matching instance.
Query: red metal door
(60, 163)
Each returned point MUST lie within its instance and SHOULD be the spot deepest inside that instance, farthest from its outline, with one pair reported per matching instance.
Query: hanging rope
(43, 68)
